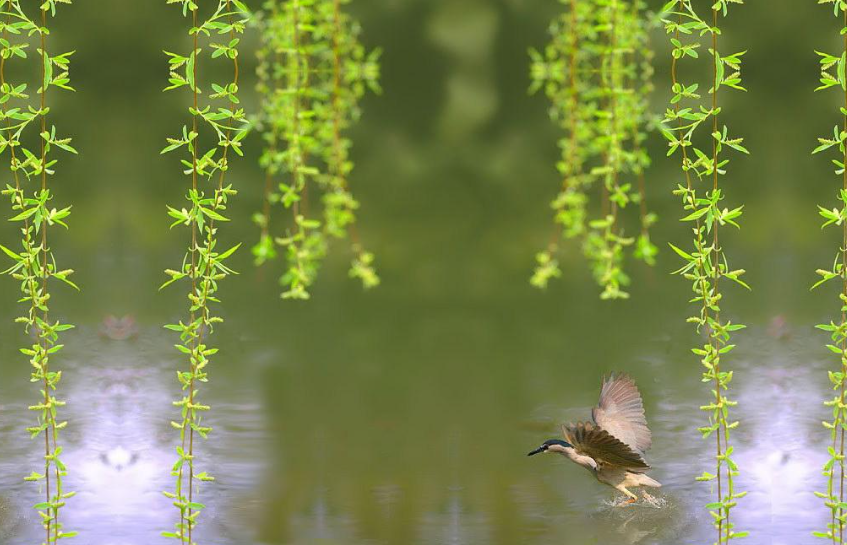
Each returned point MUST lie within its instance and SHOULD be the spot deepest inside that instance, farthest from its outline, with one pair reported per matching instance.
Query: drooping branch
(34, 264)
(590, 73)
(834, 496)
(220, 119)
(313, 73)
(706, 264)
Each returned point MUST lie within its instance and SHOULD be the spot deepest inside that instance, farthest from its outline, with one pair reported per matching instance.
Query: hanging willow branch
(686, 123)
(313, 73)
(596, 74)
(834, 496)
(24, 134)
(217, 116)
(640, 72)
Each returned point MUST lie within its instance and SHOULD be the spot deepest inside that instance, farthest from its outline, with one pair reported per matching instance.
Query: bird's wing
(589, 440)
(621, 412)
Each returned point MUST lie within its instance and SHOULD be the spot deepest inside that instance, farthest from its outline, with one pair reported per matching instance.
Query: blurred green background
(403, 415)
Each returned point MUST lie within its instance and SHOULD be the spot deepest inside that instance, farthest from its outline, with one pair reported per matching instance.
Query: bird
(613, 445)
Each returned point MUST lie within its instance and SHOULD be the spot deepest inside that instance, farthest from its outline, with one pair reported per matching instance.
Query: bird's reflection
(631, 533)
(657, 520)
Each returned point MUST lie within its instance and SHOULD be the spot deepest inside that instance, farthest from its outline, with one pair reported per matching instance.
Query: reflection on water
(321, 526)
(119, 456)
(119, 445)
(454, 525)
(345, 471)
(345, 478)
(786, 444)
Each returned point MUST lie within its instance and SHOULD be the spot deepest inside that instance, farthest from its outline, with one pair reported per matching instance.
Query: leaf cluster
(313, 73)
(596, 73)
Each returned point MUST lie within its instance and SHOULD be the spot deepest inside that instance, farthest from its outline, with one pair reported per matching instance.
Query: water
(398, 448)
(404, 415)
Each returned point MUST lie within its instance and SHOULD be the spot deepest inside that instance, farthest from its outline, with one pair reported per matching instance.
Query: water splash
(646, 500)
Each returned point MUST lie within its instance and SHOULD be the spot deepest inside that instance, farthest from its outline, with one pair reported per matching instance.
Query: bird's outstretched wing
(621, 412)
(605, 449)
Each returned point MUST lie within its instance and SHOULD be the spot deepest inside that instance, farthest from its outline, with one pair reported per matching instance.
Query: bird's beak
(536, 451)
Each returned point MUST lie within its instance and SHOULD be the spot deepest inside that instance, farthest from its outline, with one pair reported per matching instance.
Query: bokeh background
(404, 415)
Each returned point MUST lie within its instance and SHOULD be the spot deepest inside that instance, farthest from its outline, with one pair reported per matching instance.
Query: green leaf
(10, 253)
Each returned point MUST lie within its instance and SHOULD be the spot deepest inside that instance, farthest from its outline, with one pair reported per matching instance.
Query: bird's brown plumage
(621, 413)
(590, 440)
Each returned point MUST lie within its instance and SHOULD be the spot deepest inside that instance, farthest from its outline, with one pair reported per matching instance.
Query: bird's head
(552, 445)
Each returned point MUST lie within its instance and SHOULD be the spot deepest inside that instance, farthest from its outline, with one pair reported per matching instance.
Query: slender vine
(596, 73)
(834, 495)
(706, 264)
(31, 165)
(313, 72)
(219, 116)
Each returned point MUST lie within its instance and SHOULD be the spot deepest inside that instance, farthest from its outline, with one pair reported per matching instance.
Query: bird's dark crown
(559, 442)
(545, 446)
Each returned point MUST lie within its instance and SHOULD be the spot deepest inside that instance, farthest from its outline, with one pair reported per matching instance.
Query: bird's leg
(631, 498)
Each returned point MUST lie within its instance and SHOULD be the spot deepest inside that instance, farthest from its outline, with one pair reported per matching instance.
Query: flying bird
(611, 447)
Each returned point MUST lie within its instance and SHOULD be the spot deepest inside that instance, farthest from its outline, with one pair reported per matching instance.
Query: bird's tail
(644, 480)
